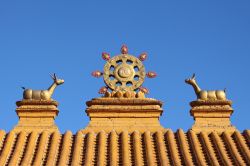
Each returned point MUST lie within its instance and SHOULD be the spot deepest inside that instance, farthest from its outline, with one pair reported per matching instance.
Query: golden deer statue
(30, 94)
(206, 94)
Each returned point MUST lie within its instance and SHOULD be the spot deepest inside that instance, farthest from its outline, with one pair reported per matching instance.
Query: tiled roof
(136, 148)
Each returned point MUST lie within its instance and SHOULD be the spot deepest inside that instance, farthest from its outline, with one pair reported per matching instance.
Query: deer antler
(193, 77)
(53, 76)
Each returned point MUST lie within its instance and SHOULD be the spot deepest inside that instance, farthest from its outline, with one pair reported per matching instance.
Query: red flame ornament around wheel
(124, 49)
(143, 56)
(144, 90)
(105, 56)
(97, 73)
(151, 74)
(103, 90)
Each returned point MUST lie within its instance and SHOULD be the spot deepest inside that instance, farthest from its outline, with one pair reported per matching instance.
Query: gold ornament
(123, 75)
(124, 72)
(206, 94)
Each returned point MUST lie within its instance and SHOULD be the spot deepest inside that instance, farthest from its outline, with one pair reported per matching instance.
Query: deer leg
(221, 95)
(45, 95)
(203, 95)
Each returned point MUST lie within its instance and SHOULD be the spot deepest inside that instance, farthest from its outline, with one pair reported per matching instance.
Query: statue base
(122, 114)
(212, 115)
(36, 115)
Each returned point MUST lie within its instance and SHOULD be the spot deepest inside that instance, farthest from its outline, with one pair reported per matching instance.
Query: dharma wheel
(124, 72)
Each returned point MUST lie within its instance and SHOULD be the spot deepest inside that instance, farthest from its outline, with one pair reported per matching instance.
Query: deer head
(191, 80)
(56, 80)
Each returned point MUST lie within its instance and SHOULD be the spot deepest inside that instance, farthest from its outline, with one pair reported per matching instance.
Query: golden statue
(206, 94)
(30, 94)
(123, 75)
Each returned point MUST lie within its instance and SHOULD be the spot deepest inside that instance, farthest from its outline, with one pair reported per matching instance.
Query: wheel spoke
(111, 73)
(112, 82)
(137, 73)
(113, 63)
(124, 61)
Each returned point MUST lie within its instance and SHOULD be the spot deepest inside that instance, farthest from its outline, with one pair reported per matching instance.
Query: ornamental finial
(105, 56)
(30, 94)
(124, 49)
(143, 56)
(124, 75)
(206, 94)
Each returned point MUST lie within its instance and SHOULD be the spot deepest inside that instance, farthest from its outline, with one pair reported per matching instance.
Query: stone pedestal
(124, 114)
(212, 116)
(36, 115)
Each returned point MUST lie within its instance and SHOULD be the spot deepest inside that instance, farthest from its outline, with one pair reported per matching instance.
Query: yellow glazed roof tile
(125, 148)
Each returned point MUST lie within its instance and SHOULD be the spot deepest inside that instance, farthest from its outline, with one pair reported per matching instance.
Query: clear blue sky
(210, 38)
